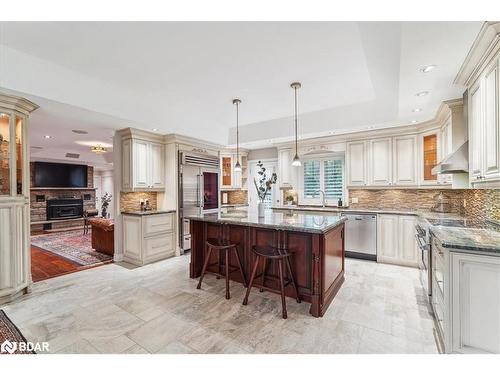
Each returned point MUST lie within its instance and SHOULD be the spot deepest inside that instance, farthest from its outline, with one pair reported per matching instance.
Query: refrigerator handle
(198, 188)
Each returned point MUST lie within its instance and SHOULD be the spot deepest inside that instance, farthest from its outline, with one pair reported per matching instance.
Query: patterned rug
(72, 245)
(10, 337)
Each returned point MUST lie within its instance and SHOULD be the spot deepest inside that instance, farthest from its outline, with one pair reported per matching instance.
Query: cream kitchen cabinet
(396, 240)
(357, 163)
(284, 168)
(466, 299)
(484, 127)
(231, 179)
(143, 165)
(380, 162)
(148, 238)
(404, 160)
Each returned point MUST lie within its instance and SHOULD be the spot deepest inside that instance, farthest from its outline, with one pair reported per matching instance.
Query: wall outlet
(354, 200)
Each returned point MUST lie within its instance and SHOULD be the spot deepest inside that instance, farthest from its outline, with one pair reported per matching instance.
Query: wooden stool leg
(264, 266)
(282, 288)
(219, 271)
(227, 273)
(254, 271)
(289, 266)
(240, 265)
(204, 267)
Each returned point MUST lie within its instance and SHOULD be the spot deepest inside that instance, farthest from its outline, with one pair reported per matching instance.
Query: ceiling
(180, 77)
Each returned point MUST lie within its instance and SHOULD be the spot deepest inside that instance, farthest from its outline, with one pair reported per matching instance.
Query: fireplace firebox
(64, 208)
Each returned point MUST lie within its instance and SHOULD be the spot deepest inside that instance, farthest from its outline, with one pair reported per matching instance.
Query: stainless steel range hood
(457, 162)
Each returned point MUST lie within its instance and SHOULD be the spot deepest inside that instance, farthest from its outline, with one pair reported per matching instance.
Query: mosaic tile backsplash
(131, 201)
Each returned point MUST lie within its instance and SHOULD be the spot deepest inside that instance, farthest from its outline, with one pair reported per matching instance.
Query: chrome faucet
(323, 200)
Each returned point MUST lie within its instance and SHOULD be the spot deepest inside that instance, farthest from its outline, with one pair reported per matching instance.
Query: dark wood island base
(317, 257)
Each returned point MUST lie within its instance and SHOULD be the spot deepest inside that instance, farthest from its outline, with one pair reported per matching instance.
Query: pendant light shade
(237, 166)
(296, 160)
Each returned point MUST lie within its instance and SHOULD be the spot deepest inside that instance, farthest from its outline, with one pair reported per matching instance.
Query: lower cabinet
(148, 238)
(466, 300)
(396, 240)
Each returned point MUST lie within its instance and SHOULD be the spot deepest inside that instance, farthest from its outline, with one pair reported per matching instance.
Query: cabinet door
(356, 163)
(157, 166)
(408, 252)
(491, 164)
(127, 164)
(141, 169)
(284, 164)
(380, 169)
(387, 238)
(475, 303)
(475, 132)
(405, 161)
(226, 162)
(132, 239)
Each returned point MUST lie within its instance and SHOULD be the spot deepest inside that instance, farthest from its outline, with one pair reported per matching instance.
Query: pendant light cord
(296, 126)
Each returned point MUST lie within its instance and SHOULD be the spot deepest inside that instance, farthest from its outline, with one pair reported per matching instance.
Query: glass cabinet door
(4, 154)
(430, 156)
(19, 155)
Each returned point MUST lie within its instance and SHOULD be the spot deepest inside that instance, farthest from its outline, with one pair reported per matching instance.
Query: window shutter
(311, 178)
(333, 175)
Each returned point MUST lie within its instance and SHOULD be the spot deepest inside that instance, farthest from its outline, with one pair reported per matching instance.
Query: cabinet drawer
(438, 308)
(159, 247)
(157, 223)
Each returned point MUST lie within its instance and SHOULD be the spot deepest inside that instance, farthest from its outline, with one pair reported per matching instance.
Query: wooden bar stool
(280, 255)
(222, 246)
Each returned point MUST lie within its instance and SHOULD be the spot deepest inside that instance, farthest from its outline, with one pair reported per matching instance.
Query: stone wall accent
(131, 201)
(39, 209)
(236, 196)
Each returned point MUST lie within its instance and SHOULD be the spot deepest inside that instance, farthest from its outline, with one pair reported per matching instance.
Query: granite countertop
(475, 239)
(146, 213)
(276, 220)
(350, 210)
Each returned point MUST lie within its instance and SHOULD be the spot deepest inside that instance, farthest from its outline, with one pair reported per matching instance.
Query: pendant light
(296, 160)
(237, 166)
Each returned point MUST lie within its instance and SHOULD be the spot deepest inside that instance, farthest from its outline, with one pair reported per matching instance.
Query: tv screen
(60, 175)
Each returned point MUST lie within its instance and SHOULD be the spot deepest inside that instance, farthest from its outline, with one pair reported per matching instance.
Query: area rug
(72, 245)
(10, 337)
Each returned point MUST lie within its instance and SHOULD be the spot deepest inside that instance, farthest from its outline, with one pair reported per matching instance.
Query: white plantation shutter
(311, 178)
(333, 179)
(326, 174)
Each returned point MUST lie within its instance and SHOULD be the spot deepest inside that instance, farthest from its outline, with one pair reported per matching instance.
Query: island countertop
(298, 222)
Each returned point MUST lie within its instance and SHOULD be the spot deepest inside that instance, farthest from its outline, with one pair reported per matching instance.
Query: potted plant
(105, 200)
(263, 186)
(289, 200)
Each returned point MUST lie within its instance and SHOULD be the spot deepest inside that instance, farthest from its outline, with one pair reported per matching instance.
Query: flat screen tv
(59, 175)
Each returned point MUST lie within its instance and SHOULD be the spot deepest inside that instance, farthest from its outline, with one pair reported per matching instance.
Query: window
(327, 175)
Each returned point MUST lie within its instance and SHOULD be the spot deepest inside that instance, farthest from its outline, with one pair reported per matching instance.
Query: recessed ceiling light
(427, 68)
(47, 136)
(422, 93)
(417, 109)
(156, 129)
(77, 131)
(413, 121)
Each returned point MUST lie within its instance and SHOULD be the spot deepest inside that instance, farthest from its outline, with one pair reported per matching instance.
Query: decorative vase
(260, 208)
(104, 212)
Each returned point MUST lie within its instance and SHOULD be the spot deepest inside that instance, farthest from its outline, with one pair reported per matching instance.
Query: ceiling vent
(77, 131)
(73, 156)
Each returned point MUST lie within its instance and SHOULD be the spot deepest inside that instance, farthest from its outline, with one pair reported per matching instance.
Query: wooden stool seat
(274, 254)
(222, 245)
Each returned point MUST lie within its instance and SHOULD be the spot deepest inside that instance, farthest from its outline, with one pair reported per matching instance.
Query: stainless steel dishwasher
(361, 236)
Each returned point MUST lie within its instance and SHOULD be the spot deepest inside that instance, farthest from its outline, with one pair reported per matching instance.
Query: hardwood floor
(45, 265)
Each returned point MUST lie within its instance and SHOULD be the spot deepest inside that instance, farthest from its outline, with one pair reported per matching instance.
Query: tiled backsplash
(236, 196)
(132, 201)
(479, 204)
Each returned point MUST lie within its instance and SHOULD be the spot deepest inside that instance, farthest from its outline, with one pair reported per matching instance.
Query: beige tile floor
(157, 309)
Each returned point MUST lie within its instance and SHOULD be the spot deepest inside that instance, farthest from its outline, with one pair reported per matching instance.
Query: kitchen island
(316, 243)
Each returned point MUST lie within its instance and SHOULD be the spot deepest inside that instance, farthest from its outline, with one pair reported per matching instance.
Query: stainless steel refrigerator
(198, 190)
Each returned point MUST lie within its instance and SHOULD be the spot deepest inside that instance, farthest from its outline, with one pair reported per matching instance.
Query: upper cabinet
(484, 128)
(404, 160)
(480, 73)
(380, 162)
(231, 179)
(356, 162)
(143, 163)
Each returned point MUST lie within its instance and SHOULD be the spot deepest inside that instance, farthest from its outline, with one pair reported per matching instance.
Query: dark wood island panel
(317, 257)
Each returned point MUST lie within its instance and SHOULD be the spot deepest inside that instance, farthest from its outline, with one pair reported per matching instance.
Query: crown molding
(17, 103)
(485, 43)
(191, 141)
